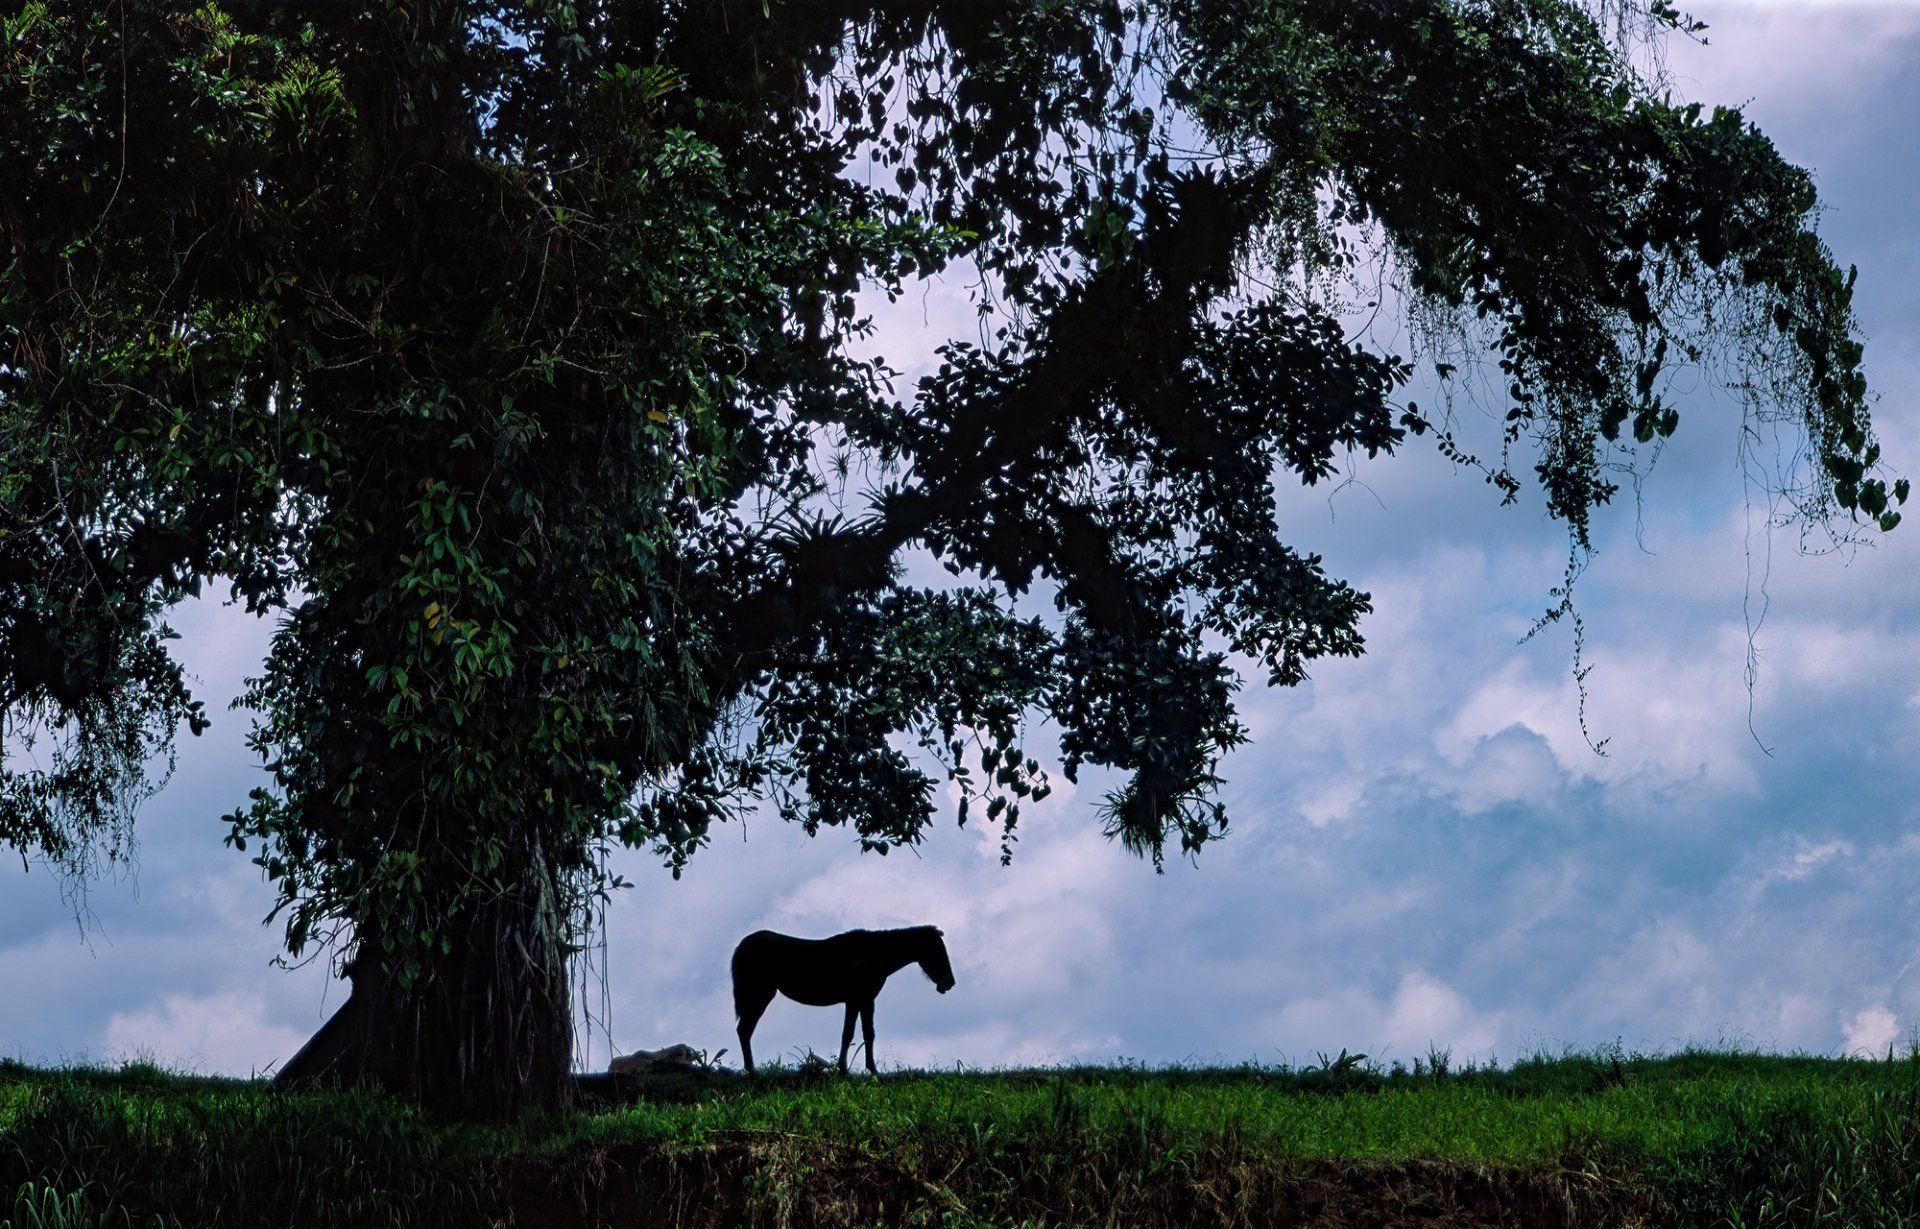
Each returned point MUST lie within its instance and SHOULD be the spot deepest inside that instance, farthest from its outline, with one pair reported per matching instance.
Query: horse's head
(933, 960)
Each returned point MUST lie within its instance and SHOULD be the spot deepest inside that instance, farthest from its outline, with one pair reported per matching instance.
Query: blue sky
(1425, 851)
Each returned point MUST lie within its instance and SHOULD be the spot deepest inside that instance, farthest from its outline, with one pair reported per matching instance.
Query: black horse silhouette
(849, 968)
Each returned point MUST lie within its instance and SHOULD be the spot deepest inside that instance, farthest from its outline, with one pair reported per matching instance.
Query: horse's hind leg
(846, 1036)
(866, 1030)
(748, 1007)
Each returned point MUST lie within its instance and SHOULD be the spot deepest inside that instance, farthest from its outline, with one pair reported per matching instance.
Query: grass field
(1696, 1138)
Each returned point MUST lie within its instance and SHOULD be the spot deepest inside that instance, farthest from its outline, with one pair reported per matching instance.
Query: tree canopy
(515, 356)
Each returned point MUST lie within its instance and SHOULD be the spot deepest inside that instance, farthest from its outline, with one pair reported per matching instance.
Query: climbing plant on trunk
(512, 356)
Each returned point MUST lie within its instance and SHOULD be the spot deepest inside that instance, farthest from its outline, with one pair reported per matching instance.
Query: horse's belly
(834, 990)
(817, 996)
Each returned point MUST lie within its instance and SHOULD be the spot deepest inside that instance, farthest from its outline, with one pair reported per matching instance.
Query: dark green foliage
(1524, 173)
(1798, 1165)
(509, 355)
(139, 1148)
(1700, 1138)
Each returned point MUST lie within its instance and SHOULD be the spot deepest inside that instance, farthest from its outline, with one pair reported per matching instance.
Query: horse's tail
(748, 971)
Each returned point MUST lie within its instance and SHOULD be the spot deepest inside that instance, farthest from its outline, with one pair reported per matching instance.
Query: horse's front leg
(866, 1031)
(846, 1037)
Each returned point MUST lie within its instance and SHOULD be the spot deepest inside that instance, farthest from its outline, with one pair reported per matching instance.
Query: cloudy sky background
(1425, 851)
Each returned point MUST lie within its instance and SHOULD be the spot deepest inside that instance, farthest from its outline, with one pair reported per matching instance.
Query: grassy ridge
(1707, 1138)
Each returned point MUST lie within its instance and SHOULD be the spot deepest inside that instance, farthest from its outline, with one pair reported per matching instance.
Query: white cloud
(1871, 1032)
(1330, 800)
(1810, 858)
(1419, 1014)
(226, 1032)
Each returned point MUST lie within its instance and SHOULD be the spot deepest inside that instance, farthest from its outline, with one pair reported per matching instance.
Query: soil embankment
(795, 1184)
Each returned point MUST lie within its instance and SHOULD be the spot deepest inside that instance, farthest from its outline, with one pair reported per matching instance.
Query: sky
(1425, 853)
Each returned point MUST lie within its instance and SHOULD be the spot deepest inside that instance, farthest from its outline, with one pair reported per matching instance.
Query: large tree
(511, 354)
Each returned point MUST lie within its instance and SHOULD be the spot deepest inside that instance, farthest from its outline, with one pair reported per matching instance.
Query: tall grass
(1812, 1156)
(1696, 1139)
(36, 1206)
(138, 1148)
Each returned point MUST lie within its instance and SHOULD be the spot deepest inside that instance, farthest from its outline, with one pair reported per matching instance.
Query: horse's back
(763, 947)
(758, 941)
(767, 957)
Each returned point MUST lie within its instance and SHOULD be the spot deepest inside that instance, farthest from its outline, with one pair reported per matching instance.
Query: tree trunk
(487, 1033)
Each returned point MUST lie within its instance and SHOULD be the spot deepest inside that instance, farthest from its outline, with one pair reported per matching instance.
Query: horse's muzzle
(943, 989)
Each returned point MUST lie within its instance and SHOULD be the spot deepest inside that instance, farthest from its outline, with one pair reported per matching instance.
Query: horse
(849, 968)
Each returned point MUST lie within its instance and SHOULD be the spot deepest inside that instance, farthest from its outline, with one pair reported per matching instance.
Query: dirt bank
(789, 1183)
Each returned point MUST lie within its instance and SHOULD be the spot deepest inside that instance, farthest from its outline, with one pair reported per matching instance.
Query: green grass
(1715, 1138)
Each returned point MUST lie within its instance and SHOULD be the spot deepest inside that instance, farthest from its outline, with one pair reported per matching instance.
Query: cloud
(1420, 1014)
(229, 1031)
(1871, 1033)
